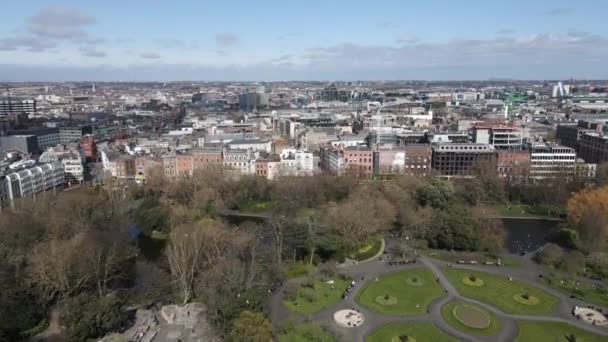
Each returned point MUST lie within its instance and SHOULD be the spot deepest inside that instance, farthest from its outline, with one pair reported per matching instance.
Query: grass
(255, 206)
(448, 316)
(298, 269)
(499, 291)
(411, 300)
(587, 292)
(369, 251)
(320, 296)
(526, 211)
(553, 332)
(422, 332)
(481, 258)
(306, 333)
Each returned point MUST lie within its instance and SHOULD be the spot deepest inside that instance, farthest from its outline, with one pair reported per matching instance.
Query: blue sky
(286, 40)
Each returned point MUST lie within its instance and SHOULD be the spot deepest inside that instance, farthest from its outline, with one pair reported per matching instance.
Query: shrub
(86, 317)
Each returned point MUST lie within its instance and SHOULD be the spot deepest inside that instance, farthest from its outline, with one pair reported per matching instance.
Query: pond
(527, 235)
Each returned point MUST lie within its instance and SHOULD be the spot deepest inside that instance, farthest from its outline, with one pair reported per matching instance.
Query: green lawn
(448, 316)
(553, 332)
(410, 299)
(306, 333)
(585, 291)
(499, 291)
(298, 269)
(368, 251)
(526, 211)
(309, 300)
(422, 332)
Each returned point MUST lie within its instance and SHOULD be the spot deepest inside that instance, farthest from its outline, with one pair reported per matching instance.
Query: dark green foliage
(453, 228)
(567, 237)
(87, 316)
(437, 194)
(150, 215)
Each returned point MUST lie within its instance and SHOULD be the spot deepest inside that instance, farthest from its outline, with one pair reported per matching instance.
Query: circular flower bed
(386, 300)
(472, 280)
(526, 299)
(414, 281)
(471, 316)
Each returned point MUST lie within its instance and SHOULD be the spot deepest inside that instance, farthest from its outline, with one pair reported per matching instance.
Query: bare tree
(184, 253)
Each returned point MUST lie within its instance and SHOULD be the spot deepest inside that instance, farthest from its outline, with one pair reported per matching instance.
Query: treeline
(91, 252)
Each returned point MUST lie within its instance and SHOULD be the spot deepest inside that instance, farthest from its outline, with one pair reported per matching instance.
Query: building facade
(34, 179)
(462, 159)
(548, 160)
(359, 161)
(593, 147)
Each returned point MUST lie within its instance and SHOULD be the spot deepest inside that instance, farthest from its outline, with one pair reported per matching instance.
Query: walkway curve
(363, 273)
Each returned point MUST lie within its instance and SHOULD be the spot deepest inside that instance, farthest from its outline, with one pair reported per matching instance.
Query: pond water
(527, 235)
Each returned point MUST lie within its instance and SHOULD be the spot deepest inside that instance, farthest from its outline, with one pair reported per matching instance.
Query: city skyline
(237, 41)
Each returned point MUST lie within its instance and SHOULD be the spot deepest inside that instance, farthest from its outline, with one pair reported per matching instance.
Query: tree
(59, 268)
(588, 211)
(364, 214)
(193, 249)
(184, 253)
(251, 327)
(454, 228)
(436, 193)
(573, 262)
(85, 317)
(492, 234)
(551, 255)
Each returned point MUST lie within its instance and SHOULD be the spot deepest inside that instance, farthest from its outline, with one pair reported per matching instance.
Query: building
(267, 168)
(513, 163)
(74, 133)
(170, 164)
(27, 144)
(502, 137)
(254, 144)
(118, 165)
(185, 164)
(10, 106)
(240, 161)
(144, 166)
(46, 137)
(388, 161)
(418, 159)
(71, 161)
(593, 148)
(89, 148)
(208, 157)
(551, 160)
(249, 102)
(332, 160)
(296, 163)
(569, 134)
(359, 161)
(585, 170)
(462, 159)
(32, 179)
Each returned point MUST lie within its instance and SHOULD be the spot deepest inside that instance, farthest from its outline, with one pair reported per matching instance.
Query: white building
(296, 162)
(503, 137)
(32, 180)
(548, 160)
(71, 161)
(240, 161)
(253, 144)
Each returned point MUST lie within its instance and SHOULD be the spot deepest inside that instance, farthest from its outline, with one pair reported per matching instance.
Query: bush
(551, 255)
(567, 237)
(85, 316)
(310, 295)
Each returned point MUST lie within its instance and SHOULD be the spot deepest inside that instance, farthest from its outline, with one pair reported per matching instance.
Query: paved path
(365, 272)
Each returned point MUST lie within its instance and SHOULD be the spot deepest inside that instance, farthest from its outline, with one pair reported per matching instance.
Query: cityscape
(230, 186)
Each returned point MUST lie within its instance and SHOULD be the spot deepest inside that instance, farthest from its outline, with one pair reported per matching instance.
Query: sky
(271, 40)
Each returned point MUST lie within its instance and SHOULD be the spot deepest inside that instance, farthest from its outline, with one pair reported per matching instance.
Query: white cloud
(226, 39)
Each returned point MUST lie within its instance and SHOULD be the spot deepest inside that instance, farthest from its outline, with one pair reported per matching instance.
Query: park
(430, 299)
